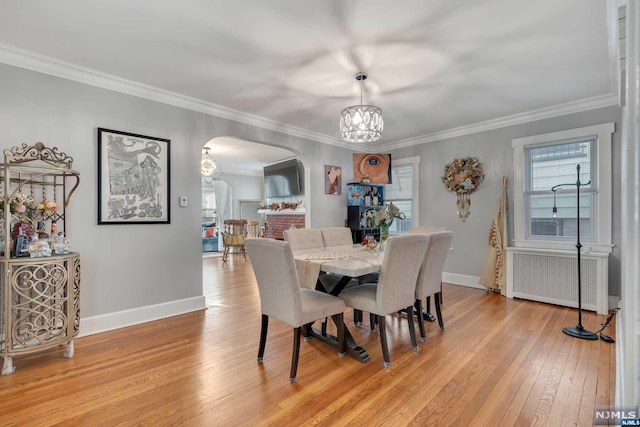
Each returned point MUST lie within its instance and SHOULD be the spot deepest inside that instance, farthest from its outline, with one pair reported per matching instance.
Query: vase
(384, 234)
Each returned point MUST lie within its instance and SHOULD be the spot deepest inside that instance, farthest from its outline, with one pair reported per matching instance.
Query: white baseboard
(107, 322)
(463, 280)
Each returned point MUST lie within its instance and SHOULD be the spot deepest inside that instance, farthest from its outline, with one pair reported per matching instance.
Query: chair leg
(372, 322)
(383, 340)
(225, 254)
(357, 316)
(418, 305)
(244, 253)
(338, 319)
(306, 332)
(263, 337)
(412, 328)
(437, 297)
(324, 327)
(296, 353)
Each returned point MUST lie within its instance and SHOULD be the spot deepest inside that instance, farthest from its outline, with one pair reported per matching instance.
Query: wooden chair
(396, 287)
(233, 236)
(252, 228)
(282, 298)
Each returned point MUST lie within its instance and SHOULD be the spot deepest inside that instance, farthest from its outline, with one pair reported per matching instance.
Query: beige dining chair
(429, 230)
(282, 298)
(396, 287)
(336, 236)
(303, 238)
(430, 277)
(233, 236)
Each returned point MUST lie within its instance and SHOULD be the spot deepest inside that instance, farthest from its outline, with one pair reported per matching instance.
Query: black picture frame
(133, 178)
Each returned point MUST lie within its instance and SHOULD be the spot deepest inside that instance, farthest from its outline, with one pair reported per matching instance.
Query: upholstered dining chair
(430, 277)
(428, 230)
(233, 236)
(396, 285)
(303, 238)
(336, 236)
(282, 298)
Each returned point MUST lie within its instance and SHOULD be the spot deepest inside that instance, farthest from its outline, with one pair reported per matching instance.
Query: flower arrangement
(283, 206)
(21, 205)
(383, 218)
(462, 176)
(47, 207)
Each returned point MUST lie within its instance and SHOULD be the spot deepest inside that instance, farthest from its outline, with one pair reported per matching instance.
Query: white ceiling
(434, 65)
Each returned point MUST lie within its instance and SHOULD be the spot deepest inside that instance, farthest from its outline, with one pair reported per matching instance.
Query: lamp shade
(361, 123)
(208, 166)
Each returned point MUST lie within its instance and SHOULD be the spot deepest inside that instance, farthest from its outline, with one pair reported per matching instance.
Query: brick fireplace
(278, 222)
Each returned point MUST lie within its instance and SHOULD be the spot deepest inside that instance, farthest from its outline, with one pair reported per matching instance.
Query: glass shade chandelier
(361, 123)
(208, 166)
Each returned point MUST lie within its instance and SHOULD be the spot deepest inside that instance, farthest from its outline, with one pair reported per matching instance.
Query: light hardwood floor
(499, 362)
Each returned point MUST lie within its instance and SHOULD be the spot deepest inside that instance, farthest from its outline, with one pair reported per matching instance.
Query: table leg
(353, 349)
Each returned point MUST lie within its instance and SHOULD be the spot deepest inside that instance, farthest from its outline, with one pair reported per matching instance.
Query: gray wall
(493, 148)
(131, 266)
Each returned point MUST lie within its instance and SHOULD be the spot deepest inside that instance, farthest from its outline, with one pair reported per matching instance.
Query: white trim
(54, 67)
(415, 185)
(463, 280)
(121, 319)
(587, 104)
(603, 133)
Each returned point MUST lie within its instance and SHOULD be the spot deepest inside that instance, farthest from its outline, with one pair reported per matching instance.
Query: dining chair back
(252, 228)
(282, 298)
(303, 238)
(336, 236)
(430, 277)
(426, 229)
(233, 236)
(395, 290)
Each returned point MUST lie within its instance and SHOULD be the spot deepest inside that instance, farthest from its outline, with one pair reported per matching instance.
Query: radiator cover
(551, 276)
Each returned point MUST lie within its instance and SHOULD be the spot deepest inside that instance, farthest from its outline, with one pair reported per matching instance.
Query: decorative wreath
(462, 176)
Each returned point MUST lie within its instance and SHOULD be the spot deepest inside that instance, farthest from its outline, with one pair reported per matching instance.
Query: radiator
(551, 276)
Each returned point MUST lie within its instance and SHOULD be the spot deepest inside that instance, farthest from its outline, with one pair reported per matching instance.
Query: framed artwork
(374, 168)
(133, 178)
(332, 182)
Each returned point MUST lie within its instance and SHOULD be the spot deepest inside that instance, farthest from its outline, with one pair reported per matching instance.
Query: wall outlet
(184, 202)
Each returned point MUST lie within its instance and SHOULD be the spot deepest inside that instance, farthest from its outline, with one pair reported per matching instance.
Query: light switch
(184, 202)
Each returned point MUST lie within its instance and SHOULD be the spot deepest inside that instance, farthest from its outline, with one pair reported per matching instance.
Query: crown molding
(587, 104)
(43, 64)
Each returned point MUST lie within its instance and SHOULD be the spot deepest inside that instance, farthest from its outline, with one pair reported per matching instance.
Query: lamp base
(579, 332)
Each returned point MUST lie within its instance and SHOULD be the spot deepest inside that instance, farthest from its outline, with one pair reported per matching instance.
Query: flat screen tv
(282, 179)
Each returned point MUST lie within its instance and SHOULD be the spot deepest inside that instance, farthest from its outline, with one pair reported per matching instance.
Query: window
(403, 192)
(543, 162)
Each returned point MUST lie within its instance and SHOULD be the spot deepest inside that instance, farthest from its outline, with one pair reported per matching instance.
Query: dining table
(347, 262)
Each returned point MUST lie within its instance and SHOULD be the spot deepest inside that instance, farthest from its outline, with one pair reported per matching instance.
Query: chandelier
(208, 166)
(361, 123)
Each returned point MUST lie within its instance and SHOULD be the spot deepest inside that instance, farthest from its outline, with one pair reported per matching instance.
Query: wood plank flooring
(499, 362)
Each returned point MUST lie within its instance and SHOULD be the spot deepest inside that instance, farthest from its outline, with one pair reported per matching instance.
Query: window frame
(601, 177)
(415, 186)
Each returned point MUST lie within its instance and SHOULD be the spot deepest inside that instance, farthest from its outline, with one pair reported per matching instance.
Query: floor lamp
(577, 331)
